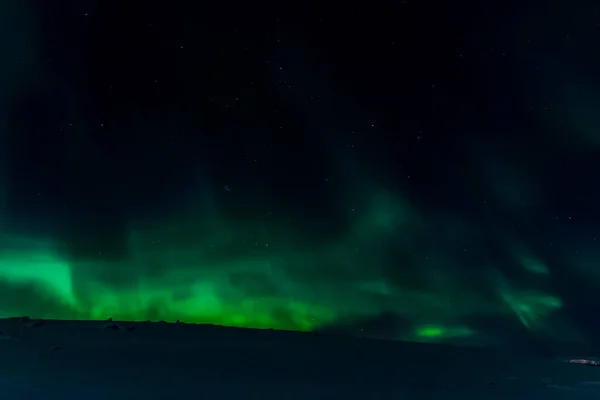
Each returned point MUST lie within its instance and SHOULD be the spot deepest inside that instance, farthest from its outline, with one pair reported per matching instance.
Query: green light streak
(184, 269)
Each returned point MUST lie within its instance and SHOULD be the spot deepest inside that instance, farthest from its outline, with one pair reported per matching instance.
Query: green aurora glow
(424, 264)
(194, 270)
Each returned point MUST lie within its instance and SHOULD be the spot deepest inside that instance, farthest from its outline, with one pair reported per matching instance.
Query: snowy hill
(109, 360)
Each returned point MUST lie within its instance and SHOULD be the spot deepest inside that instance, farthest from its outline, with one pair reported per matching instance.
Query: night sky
(421, 170)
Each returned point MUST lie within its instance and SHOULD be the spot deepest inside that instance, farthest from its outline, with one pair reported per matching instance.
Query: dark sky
(420, 170)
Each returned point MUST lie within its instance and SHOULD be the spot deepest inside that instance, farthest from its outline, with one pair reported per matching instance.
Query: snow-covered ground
(109, 360)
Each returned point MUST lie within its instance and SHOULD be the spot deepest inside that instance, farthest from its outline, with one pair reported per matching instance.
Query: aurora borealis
(171, 164)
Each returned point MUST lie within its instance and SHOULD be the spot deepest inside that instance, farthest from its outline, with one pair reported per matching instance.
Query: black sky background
(120, 72)
(128, 106)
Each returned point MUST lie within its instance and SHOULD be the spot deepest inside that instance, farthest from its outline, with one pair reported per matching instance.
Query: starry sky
(414, 170)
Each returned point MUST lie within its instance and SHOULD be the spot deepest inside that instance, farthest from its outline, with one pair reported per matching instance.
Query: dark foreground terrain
(111, 360)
